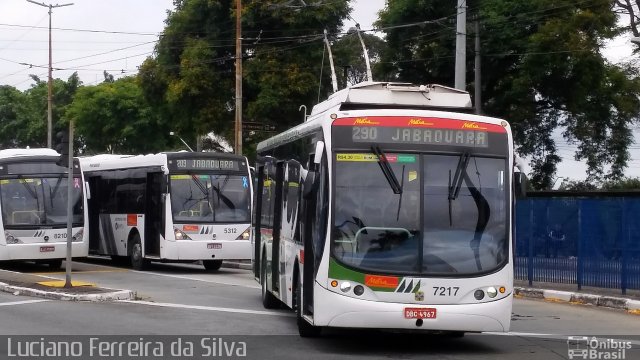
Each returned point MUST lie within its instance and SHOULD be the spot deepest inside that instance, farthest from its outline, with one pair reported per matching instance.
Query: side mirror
(310, 184)
(317, 158)
(520, 184)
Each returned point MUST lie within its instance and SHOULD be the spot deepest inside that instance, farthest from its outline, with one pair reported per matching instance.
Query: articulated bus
(389, 207)
(169, 207)
(33, 201)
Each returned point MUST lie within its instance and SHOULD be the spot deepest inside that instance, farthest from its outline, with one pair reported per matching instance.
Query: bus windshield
(39, 201)
(450, 217)
(210, 198)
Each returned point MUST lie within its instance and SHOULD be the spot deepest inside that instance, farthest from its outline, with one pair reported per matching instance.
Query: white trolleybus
(169, 207)
(33, 201)
(389, 207)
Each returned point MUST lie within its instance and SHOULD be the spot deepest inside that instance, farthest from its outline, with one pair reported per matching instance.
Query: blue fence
(586, 241)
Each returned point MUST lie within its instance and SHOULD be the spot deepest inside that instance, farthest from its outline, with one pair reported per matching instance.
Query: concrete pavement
(19, 283)
(39, 285)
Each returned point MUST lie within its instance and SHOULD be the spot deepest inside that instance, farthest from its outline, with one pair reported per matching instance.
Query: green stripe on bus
(339, 272)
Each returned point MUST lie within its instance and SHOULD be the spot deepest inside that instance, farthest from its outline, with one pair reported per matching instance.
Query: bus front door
(154, 214)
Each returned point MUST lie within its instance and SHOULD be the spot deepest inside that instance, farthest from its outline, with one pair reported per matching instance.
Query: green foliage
(623, 184)
(14, 114)
(113, 117)
(541, 69)
(348, 55)
(193, 75)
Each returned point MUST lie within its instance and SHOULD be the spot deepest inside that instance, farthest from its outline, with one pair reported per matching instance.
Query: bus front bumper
(192, 250)
(42, 251)
(335, 310)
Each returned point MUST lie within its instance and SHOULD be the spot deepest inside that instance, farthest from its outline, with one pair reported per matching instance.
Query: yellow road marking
(60, 283)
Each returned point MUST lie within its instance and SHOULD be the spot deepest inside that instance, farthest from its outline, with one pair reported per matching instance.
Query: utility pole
(50, 81)
(70, 185)
(477, 73)
(461, 45)
(238, 126)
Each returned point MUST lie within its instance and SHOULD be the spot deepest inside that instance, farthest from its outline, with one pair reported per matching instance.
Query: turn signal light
(334, 283)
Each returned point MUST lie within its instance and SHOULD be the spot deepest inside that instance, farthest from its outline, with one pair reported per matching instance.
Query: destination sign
(423, 136)
(207, 164)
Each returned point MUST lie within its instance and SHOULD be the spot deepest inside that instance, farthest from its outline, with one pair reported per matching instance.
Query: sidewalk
(18, 283)
(568, 293)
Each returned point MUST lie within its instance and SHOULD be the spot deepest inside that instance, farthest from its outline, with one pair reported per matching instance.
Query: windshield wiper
(53, 193)
(456, 184)
(386, 170)
(454, 187)
(400, 199)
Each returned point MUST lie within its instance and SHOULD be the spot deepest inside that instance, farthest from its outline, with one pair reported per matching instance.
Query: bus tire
(212, 265)
(135, 253)
(455, 334)
(54, 264)
(269, 301)
(304, 328)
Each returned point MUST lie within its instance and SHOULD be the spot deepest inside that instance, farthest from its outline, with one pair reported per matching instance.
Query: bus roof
(395, 95)
(377, 95)
(115, 161)
(12, 153)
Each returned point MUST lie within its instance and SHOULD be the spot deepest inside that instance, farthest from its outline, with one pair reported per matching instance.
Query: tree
(348, 55)
(14, 116)
(542, 70)
(193, 72)
(630, 9)
(114, 117)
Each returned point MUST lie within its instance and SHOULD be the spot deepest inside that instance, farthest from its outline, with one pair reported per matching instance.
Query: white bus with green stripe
(169, 207)
(33, 202)
(390, 207)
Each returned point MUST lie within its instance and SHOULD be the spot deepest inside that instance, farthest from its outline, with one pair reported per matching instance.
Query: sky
(117, 35)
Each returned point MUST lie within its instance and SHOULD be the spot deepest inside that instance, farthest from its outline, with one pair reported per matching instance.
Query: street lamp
(50, 79)
(184, 142)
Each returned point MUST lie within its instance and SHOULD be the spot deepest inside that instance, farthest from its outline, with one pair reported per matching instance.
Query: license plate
(47, 248)
(419, 313)
(214, 246)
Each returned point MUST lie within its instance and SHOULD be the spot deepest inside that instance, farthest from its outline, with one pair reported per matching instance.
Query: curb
(631, 306)
(237, 265)
(52, 295)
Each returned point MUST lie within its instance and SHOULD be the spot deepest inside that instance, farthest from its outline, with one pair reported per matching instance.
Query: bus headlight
(478, 294)
(345, 286)
(11, 239)
(492, 292)
(78, 236)
(180, 235)
(245, 235)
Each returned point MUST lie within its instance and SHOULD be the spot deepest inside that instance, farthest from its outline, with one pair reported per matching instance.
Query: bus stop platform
(18, 283)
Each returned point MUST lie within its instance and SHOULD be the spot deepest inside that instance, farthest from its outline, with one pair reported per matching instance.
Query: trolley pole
(238, 127)
(461, 45)
(50, 80)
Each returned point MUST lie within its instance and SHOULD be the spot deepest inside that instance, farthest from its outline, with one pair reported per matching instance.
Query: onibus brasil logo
(584, 347)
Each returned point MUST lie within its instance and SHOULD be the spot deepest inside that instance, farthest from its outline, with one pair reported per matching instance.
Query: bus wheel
(304, 328)
(455, 334)
(54, 264)
(212, 265)
(135, 253)
(269, 301)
